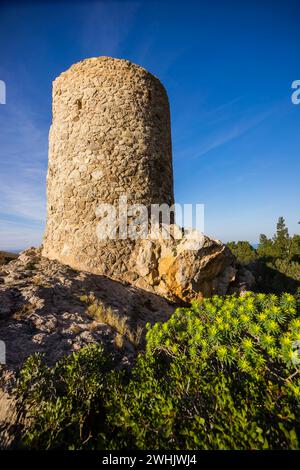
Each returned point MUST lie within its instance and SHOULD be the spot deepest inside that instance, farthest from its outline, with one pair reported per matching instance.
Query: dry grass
(99, 312)
(119, 341)
(75, 329)
(135, 336)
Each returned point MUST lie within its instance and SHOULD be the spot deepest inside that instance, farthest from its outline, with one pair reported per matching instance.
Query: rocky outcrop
(184, 269)
(44, 307)
(48, 307)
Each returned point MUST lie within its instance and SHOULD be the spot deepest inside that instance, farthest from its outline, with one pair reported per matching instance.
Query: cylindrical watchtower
(110, 136)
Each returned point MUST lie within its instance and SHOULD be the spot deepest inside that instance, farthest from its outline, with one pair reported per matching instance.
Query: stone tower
(110, 136)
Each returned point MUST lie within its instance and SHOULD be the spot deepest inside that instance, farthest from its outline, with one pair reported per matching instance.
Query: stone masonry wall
(110, 136)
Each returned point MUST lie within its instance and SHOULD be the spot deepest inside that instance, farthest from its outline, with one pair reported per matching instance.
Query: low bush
(61, 405)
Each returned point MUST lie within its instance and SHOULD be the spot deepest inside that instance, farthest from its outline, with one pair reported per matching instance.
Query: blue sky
(228, 67)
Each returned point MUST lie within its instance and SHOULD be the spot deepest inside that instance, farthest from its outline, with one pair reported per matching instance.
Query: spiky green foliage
(222, 374)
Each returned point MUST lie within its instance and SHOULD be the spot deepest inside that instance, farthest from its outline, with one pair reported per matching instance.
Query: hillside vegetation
(222, 374)
(276, 261)
(6, 257)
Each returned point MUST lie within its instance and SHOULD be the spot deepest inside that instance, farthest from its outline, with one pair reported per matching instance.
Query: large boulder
(182, 268)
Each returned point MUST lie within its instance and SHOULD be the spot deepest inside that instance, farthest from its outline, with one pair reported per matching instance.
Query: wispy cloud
(240, 123)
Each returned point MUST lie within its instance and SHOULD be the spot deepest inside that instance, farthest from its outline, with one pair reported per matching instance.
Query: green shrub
(223, 374)
(220, 375)
(243, 251)
(62, 404)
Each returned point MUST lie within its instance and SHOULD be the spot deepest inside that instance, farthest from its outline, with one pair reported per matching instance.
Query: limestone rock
(192, 267)
(43, 308)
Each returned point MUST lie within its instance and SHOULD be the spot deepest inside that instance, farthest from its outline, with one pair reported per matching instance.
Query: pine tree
(282, 239)
(265, 247)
